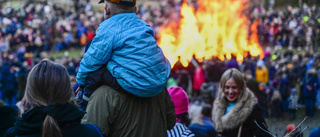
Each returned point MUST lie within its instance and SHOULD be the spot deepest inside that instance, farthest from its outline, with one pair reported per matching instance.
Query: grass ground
(73, 53)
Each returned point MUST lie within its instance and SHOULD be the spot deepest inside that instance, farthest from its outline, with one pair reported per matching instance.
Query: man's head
(121, 2)
(113, 7)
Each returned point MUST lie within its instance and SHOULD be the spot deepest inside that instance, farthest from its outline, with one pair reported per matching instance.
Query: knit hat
(121, 2)
(290, 127)
(179, 98)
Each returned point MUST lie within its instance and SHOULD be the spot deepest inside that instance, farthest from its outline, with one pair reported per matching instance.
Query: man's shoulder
(112, 94)
(105, 94)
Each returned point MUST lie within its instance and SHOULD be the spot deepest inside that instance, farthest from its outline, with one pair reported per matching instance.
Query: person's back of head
(114, 7)
(181, 102)
(48, 83)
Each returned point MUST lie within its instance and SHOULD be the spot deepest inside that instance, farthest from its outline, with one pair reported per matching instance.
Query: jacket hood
(237, 115)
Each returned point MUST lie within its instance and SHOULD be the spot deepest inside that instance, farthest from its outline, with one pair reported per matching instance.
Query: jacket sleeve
(171, 114)
(98, 54)
(259, 122)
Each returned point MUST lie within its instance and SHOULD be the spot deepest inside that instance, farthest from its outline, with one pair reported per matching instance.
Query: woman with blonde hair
(236, 111)
(50, 114)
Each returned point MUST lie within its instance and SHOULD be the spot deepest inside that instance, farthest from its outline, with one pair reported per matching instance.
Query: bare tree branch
(302, 131)
(296, 127)
(264, 129)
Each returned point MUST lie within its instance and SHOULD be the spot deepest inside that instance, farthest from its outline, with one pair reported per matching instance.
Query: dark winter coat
(120, 114)
(8, 116)
(214, 72)
(8, 80)
(68, 117)
(262, 96)
(272, 72)
(276, 111)
(22, 75)
(310, 93)
(246, 112)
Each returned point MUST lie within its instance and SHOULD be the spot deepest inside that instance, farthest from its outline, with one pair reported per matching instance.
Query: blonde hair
(48, 83)
(237, 76)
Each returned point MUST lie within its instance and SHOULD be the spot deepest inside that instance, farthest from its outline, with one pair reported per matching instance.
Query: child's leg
(94, 81)
(100, 77)
(294, 113)
(291, 114)
(111, 81)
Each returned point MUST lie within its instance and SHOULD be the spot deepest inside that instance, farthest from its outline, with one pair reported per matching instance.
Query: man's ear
(135, 10)
(106, 10)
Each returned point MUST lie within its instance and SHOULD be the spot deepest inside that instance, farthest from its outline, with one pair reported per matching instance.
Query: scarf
(32, 120)
(237, 115)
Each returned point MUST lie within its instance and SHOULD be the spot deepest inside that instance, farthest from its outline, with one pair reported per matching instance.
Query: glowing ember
(216, 29)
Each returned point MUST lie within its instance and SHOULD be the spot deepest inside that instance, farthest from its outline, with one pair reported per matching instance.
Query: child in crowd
(276, 112)
(181, 104)
(293, 103)
(204, 126)
(139, 78)
(263, 99)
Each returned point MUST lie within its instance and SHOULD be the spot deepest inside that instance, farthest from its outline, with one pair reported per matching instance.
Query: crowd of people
(292, 27)
(281, 82)
(43, 26)
(29, 31)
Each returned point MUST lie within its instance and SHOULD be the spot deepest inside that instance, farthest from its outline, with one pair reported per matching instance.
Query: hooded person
(236, 111)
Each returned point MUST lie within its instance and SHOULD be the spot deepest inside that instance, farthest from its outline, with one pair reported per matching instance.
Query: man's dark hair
(184, 118)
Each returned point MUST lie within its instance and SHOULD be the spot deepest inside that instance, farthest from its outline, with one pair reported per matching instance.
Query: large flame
(217, 29)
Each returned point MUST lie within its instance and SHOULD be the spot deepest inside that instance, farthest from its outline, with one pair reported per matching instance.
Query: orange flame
(216, 29)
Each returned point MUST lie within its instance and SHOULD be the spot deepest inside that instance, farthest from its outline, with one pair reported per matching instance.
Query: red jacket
(198, 78)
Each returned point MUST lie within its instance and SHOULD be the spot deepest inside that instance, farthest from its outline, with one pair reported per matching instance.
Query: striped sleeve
(180, 130)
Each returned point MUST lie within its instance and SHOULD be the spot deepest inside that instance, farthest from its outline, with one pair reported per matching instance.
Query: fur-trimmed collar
(238, 114)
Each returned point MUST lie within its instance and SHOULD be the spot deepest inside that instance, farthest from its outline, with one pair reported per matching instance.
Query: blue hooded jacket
(126, 44)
